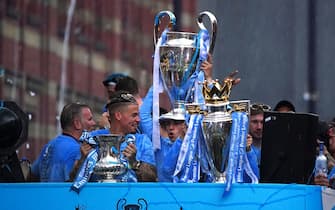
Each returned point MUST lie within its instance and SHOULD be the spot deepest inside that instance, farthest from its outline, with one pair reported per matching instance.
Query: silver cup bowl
(109, 165)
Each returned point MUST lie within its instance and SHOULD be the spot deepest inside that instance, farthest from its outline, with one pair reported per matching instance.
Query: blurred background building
(105, 36)
(282, 49)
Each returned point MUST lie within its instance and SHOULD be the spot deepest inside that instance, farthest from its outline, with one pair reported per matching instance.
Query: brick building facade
(105, 36)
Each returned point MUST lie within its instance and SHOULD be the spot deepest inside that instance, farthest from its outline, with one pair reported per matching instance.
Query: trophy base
(221, 178)
(108, 179)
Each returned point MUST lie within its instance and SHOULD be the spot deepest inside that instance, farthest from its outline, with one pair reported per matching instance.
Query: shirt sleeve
(145, 151)
(35, 167)
(253, 161)
(146, 114)
(331, 173)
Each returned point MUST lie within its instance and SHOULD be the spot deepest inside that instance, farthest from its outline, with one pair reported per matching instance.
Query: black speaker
(13, 133)
(288, 147)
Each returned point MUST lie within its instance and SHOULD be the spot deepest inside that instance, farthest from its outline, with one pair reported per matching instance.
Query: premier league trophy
(109, 165)
(217, 125)
(217, 128)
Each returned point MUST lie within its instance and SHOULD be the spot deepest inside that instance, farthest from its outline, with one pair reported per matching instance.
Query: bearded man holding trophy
(215, 141)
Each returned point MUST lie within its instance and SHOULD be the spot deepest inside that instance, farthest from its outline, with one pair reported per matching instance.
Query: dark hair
(113, 78)
(127, 84)
(284, 103)
(322, 132)
(162, 111)
(120, 98)
(70, 112)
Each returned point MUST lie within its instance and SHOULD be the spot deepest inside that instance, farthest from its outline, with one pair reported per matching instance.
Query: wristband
(136, 165)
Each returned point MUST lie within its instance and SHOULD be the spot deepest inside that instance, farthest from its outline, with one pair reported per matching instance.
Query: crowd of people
(125, 113)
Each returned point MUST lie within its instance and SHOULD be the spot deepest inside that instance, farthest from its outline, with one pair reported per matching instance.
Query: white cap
(175, 114)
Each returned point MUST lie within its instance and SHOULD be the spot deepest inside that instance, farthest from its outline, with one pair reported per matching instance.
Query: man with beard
(256, 128)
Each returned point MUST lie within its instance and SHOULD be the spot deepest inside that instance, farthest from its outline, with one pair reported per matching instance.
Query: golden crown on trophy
(216, 93)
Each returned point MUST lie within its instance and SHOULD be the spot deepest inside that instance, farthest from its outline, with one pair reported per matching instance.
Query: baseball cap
(113, 78)
(175, 114)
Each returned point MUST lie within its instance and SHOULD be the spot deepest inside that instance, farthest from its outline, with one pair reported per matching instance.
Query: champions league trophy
(177, 60)
(179, 54)
(109, 165)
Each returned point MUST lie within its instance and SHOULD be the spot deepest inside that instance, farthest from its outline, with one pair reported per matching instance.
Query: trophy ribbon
(183, 171)
(157, 89)
(243, 131)
(233, 152)
(88, 165)
(188, 166)
(213, 21)
(86, 171)
(238, 161)
(243, 160)
(157, 81)
(203, 43)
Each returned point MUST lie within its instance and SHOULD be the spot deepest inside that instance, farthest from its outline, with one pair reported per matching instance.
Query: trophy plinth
(109, 165)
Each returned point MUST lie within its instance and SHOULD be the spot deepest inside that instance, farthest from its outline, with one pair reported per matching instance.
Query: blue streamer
(86, 171)
(247, 168)
(157, 88)
(242, 137)
(188, 165)
(88, 165)
(233, 153)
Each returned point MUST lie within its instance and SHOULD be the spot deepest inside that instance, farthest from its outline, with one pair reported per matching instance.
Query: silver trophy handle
(213, 21)
(158, 17)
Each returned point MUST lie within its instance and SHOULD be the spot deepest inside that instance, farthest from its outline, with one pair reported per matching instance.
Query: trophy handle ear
(121, 203)
(158, 17)
(213, 21)
(143, 203)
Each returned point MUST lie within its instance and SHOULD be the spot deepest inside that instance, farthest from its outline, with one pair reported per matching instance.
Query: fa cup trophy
(109, 165)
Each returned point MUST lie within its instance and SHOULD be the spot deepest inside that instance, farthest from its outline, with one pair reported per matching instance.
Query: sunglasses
(122, 98)
(260, 107)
